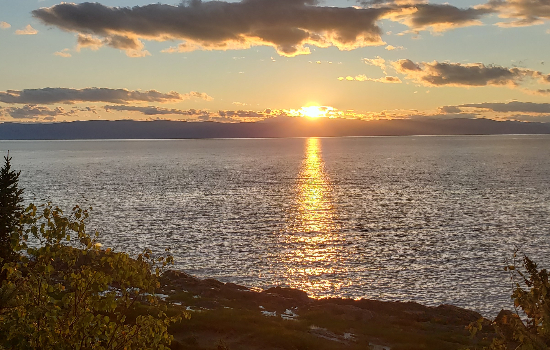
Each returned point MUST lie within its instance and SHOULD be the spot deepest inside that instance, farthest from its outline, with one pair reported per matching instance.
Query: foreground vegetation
(60, 289)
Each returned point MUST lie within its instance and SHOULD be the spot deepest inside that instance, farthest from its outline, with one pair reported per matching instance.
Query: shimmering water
(429, 219)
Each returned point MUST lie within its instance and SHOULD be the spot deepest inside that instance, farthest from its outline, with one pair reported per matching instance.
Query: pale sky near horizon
(256, 59)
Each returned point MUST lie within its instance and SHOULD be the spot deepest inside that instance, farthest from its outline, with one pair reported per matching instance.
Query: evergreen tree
(10, 208)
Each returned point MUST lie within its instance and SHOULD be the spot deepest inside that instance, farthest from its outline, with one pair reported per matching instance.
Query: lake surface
(428, 219)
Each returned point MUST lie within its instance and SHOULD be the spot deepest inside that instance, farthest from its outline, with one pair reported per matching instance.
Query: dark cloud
(132, 46)
(66, 95)
(153, 110)
(449, 109)
(520, 12)
(124, 43)
(32, 112)
(457, 74)
(420, 15)
(443, 116)
(286, 25)
(241, 114)
(407, 65)
(514, 106)
(444, 17)
(386, 3)
(84, 109)
(200, 114)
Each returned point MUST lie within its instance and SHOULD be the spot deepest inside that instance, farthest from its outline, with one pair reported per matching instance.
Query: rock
(179, 279)
(289, 293)
(454, 314)
(233, 286)
(349, 312)
(213, 283)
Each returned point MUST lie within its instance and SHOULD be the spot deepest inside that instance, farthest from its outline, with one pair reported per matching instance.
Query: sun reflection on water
(312, 255)
(315, 207)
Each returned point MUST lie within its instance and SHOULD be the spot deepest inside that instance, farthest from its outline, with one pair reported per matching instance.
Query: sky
(250, 60)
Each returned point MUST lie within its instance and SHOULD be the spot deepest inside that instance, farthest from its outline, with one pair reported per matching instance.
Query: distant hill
(277, 127)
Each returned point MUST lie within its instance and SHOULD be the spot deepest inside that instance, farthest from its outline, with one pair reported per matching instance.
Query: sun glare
(315, 111)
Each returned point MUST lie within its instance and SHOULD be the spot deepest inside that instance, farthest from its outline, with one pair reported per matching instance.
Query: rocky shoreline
(230, 316)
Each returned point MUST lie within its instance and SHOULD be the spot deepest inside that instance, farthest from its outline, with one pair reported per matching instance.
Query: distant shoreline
(265, 138)
(268, 138)
(271, 128)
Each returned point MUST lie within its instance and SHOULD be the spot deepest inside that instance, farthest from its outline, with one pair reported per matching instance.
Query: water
(427, 219)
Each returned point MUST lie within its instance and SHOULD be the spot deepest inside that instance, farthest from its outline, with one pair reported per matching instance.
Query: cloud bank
(69, 96)
(458, 74)
(514, 106)
(439, 17)
(32, 112)
(287, 25)
(520, 13)
(153, 110)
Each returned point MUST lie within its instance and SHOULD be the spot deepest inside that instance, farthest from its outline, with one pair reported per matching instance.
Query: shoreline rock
(340, 323)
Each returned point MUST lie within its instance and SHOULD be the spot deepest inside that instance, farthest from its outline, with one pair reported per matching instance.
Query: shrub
(532, 331)
(61, 290)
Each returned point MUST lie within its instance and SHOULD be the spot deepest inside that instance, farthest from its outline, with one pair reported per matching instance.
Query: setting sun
(315, 111)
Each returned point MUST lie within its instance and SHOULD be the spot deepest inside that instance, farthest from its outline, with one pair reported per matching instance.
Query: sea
(430, 219)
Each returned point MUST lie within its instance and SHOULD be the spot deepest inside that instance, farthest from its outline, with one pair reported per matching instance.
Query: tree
(10, 209)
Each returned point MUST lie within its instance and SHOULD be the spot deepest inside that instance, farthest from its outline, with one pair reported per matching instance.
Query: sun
(315, 111)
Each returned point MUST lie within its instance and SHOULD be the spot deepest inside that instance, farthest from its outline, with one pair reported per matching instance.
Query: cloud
(32, 112)
(457, 74)
(5, 25)
(449, 109)
(440, 17)
(420, 15)
(378, 62)
(362, 77)
(520, 12)
(348, 78)
(391, 47)
(83, 109)
(130, 45)
(385, 3)
(153, 110)
(514, 106)
(28, 30)
(68, 96)
(286, 25)
(87, 41)
(203, 115)
(199, 95)
(241, 114)
(63, 53)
